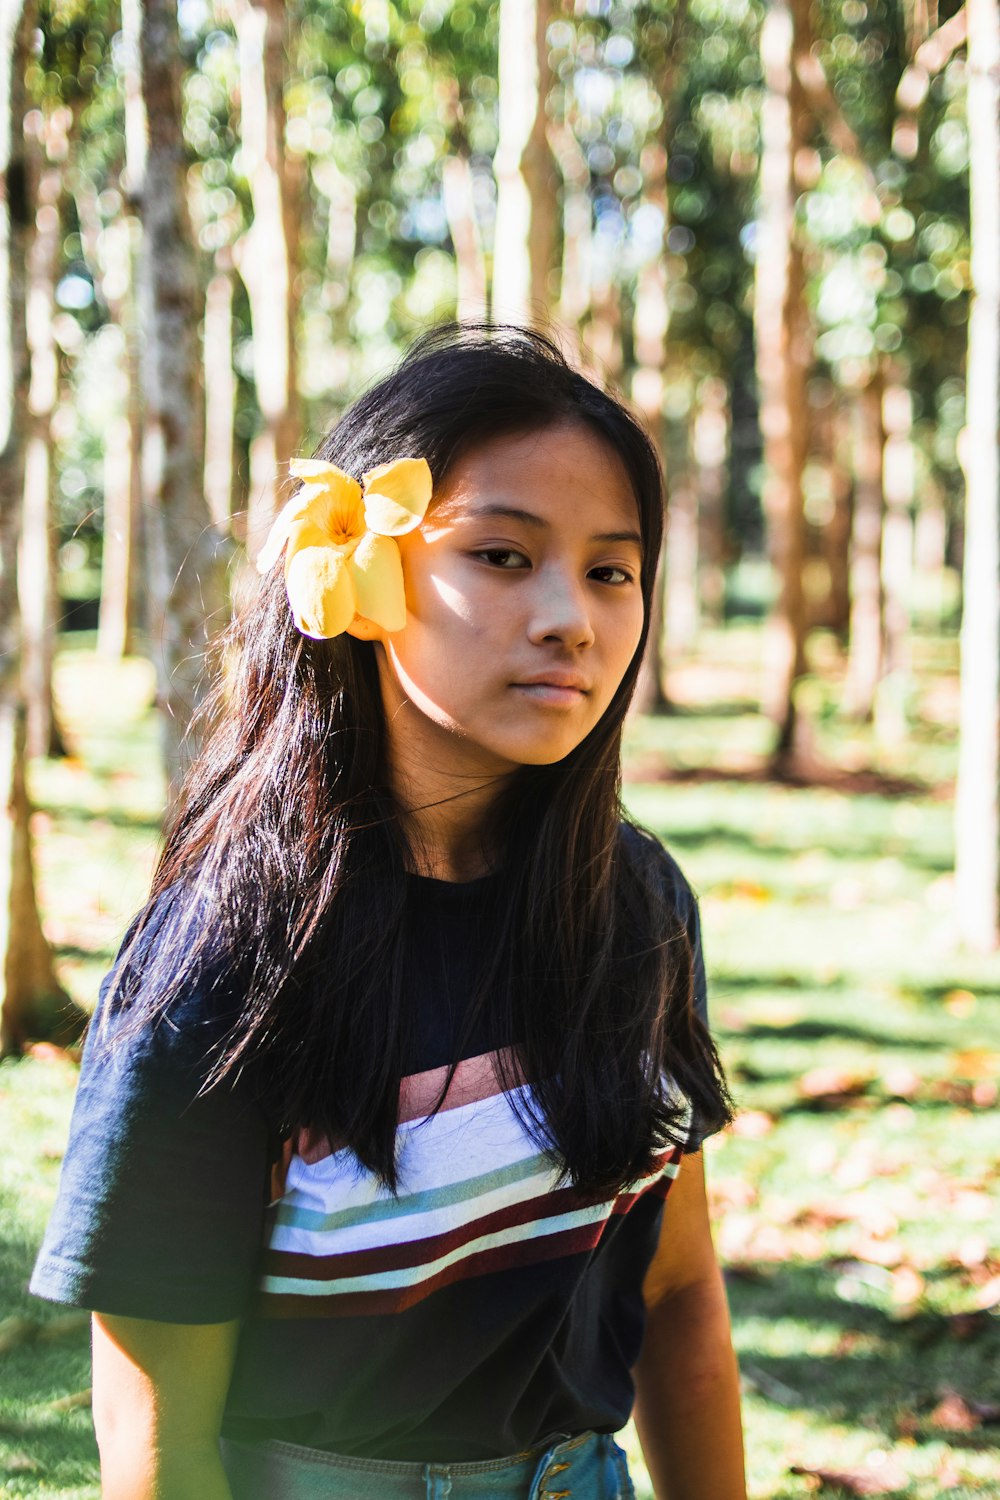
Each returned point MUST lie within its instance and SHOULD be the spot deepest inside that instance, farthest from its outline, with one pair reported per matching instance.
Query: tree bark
(39, 558)
(837, 531)
(897, 560)
(577, 226)
(458, 193)
(524, 237)
(866, 655)
(220, 393)
(783, 362)
(186, 554)
(460, 211)
(977, 806)
(266, 255)
(34, 1003)
(113, 257)
(710, 448)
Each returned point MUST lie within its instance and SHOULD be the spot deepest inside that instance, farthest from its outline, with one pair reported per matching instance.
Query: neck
(445, 816)
(446, 793)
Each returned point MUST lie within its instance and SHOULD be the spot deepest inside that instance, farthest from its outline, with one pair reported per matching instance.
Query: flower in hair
(342, 565)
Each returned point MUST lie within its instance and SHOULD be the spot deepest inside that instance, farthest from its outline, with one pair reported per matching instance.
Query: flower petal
(340, 494)
(278, 534)
(397, 496)
(320, 591)
(377, 573)
(319, 471)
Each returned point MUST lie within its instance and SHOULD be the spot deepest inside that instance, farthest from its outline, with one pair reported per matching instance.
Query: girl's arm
(687, 1408)
(159, 1394)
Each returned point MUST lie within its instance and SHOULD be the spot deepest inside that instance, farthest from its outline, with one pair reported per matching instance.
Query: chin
(539, 755)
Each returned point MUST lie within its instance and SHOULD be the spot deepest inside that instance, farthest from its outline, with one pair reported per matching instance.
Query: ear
(366, 630)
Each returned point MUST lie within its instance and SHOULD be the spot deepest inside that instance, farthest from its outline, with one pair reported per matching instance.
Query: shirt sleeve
(162, 1193)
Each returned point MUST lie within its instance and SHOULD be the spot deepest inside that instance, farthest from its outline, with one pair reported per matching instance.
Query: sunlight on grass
(856, 1202)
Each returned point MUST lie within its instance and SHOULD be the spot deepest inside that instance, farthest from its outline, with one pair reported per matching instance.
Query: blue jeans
(590, 1466)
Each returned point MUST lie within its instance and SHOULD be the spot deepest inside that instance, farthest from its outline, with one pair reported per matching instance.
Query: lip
(556, 678)
(561, 690)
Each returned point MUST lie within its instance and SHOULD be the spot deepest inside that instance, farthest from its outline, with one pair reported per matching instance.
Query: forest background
(776, 229)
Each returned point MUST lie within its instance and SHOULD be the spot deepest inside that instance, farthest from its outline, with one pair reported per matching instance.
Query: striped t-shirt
(481, 1310)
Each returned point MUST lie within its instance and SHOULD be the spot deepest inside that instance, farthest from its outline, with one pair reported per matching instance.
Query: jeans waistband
(284, 1471)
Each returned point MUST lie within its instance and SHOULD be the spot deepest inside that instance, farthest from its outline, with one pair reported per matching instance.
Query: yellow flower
(342, 565)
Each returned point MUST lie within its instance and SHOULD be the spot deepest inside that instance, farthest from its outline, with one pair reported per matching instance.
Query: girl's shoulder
(170, 977)
(648, 859)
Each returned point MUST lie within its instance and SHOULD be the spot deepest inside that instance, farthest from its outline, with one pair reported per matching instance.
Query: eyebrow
(514, 513)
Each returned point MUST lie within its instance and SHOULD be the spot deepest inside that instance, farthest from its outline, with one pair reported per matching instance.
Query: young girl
(383, 1178)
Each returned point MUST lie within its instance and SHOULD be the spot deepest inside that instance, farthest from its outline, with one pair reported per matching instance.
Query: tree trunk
(977, 813)
(891, 721)
(458, 192)
(866, 657)
(266, 255)
(682, 611)
(783, 363)
(39, 558)
(711, 451)
(186, 555)
(524, 238)
(34, 1003)
(220, 393)
(114, 260)
(837, 531)
(460, 210)
(603, 354)
(577, 226)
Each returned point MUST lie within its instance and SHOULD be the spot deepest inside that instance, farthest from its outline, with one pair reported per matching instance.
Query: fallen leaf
(766, 1385)
(65, 1325)
(954, 1414)
(829, 1087)
(988, 1295)
(48, 1052)
(960, 1003)
(901, 1082)
(70, 1403)
(880, 1481)
(753, 1124)
(21, 1463)
(967, 1325)
(907, 1291)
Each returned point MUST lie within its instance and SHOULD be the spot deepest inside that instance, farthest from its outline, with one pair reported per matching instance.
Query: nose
(560, 610)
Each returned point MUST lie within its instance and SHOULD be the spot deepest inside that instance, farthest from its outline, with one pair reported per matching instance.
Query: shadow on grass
(873, 1369)
(69, 813)
(821, 1031)
(40, 1449)
(724, 835)
(812, 775)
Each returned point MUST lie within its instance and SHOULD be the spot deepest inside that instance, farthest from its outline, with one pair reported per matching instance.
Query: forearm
(687, 1409)
(141, 1471)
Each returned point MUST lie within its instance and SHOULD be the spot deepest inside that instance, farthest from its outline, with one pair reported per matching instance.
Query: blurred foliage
(380, 92)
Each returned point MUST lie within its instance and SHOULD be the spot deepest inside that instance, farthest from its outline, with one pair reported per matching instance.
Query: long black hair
(287, 862)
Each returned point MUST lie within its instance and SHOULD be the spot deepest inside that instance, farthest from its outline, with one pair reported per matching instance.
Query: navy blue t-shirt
(479, 1312)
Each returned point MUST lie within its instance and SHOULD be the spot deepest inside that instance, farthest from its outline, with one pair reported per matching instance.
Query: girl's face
(524, 607)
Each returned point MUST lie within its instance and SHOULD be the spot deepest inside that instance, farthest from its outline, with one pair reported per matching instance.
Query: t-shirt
(480, 1312)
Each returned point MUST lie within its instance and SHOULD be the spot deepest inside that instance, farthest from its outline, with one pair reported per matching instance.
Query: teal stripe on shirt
(467, 1190)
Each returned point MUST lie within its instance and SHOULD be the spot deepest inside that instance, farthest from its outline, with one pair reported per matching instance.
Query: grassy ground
(856, 1200)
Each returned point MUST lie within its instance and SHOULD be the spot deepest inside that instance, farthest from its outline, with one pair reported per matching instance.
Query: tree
(525, 225)
(266, 255)
(186, 553)
(783, 357)
(977, 816)
(38, 567)
(34, 1003)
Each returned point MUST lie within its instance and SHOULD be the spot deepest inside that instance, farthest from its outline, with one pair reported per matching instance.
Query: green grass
(856, 1210)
